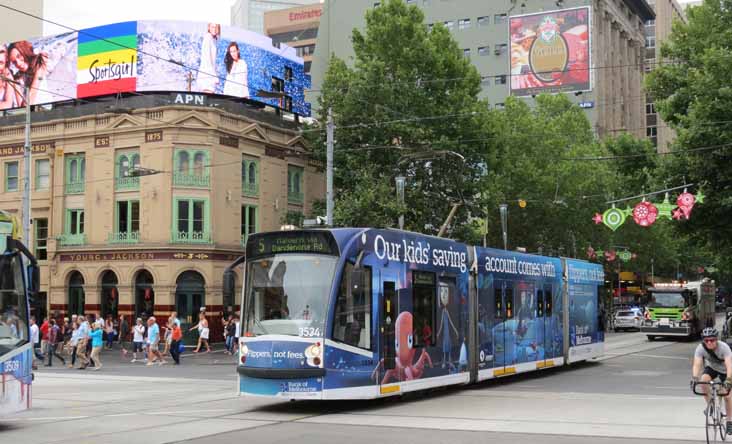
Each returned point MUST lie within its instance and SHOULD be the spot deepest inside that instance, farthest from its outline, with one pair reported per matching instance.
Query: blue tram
(365, 313)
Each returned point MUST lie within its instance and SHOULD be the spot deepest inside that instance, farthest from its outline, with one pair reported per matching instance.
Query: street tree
(402, 107)
(691, 90)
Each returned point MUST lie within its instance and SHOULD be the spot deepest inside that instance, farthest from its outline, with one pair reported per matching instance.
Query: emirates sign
(305, 15)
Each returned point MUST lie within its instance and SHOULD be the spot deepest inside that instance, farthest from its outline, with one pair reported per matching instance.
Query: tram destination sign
(268, 244)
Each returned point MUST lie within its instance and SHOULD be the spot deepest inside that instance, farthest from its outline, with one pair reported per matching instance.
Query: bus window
(498, 301)
(548, 302)
(509, 303)
(424, 298)
(352, 322)
(539, 303)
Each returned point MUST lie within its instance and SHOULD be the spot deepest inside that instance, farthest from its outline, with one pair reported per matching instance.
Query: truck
(679, 309)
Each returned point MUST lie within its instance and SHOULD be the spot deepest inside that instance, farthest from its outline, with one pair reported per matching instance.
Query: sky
(89, 13)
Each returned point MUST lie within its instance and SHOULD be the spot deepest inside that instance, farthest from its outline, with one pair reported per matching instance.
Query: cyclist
(713, 359)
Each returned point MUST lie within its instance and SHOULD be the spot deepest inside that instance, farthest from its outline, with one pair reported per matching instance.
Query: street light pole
(400, 183)
(504, 224)
(27, 168)
(330, 127)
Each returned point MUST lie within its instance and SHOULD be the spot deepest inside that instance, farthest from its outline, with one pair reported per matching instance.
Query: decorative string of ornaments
(646, 213)
(610, 255)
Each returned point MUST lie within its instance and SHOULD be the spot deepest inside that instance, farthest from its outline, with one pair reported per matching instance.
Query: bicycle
(713, 414)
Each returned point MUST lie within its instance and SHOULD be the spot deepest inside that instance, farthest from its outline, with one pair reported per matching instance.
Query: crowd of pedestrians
(78, 341)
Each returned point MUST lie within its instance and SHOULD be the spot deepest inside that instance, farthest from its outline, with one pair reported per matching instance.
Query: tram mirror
(229, 284)
(358, 278)
(34, 278)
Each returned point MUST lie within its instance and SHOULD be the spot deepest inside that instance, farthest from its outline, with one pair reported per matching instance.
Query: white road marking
(48, 418)
(662, 357)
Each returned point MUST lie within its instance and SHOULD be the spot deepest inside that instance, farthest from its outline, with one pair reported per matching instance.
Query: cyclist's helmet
(710, 332)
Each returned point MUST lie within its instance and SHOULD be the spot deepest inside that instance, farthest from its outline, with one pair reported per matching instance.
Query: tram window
(498, 298)
(424, 298)
(539, 304)
(548, 302)
(352, 322)
(509, 303)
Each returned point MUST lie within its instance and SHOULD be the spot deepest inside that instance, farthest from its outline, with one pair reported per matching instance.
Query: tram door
(504, 329)
(387, 322)
(547, 325)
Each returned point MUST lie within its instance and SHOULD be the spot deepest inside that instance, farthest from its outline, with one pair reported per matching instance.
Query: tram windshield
(287, 294)
(13, 304)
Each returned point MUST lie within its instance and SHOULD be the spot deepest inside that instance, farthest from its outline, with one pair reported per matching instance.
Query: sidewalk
(115, 358)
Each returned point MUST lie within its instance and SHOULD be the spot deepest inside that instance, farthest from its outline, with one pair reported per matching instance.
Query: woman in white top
(7, 95)
(236, 69)
(202, 327)
(207, 79)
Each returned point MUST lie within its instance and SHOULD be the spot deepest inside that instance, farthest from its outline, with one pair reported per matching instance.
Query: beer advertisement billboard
(551, 52)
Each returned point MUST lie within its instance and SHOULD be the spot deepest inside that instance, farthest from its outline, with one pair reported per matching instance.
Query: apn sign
(190, 99)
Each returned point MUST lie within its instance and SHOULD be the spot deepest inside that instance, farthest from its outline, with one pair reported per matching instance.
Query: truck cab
(679, 309)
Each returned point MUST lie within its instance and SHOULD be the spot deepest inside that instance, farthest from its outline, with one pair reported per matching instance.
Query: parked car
(628, 319)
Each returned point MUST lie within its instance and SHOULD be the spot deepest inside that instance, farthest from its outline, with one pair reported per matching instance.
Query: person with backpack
(176, 336)
(54, 339)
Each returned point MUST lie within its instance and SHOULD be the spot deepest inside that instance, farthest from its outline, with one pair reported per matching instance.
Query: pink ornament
(686, 202)
(610, 255)
(597, 218)
(591, 253)
(678, 214)
(645, 214)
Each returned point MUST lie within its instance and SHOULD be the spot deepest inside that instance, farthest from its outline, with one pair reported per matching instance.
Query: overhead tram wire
(421, 81)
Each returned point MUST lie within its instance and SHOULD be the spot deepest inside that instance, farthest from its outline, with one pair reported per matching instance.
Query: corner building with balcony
(112, 243)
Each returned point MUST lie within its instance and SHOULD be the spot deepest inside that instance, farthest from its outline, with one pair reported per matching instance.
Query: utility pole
(330, 128)
(27, 168)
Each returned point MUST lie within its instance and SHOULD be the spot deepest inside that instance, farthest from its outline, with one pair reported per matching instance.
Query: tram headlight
(244, 350)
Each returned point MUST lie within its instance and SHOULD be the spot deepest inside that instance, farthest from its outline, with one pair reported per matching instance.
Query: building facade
(616, 102)
(295, 27)
(656, 32)
(115, 243)
(249, 14)
(17, 26)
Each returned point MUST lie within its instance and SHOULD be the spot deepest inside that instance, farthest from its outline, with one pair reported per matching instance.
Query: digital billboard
(551, 52)
(153, 56)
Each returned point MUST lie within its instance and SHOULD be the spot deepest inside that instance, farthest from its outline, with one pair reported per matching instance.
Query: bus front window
(288, 294)
(13, 304)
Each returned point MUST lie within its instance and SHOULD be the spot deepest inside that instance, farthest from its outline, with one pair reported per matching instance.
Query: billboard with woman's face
(550, 52)
(153, 56)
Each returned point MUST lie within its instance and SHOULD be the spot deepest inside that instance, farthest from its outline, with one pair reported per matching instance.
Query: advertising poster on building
(551, 52)
(47, 65)
(107, 60)
(219, 59)
(153, 56)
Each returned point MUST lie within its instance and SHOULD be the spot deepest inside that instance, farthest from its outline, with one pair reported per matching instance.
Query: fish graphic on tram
(354, 313)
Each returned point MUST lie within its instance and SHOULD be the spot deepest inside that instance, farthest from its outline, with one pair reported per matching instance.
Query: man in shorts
(713, 360)
(153, 341)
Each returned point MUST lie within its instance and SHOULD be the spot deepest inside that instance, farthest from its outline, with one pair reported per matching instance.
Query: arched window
(198, 163)
(124, 166)
(82, 169)
(73, 170)
(135, 161)
(144, 294)
(190, 296)
(252, 173)
(183, 162)
(110, 294)
(296, 184)
(76, 293)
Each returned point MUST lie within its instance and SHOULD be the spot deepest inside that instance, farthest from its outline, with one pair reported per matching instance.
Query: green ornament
(613, 218)
(625, 256)
(700, 197)
(665, 208)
